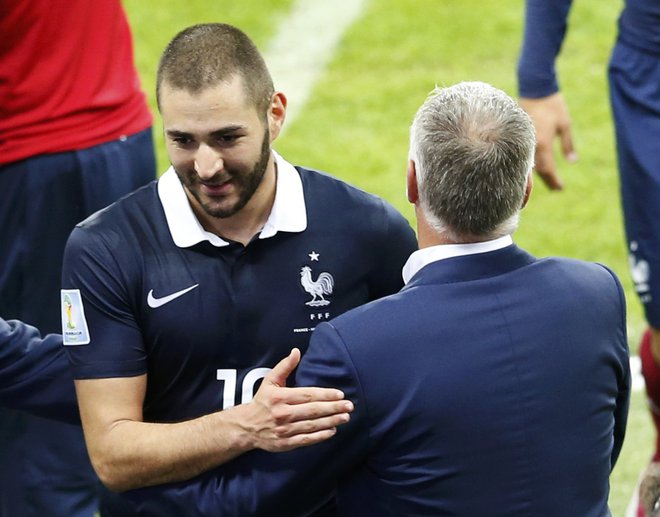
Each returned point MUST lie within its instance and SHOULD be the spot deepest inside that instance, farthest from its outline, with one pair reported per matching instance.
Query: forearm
(545, 28)
(129, 453)
(262, 484)
(133, 454)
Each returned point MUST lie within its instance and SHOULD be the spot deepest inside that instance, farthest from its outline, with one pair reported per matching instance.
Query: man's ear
(528, 189)
(276, 114)
(411, 183)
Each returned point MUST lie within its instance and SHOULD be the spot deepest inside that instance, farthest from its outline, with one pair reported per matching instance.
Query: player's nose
(208, 162)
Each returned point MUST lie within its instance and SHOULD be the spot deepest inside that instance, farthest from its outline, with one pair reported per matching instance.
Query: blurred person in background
(75, 135)
(634, 80)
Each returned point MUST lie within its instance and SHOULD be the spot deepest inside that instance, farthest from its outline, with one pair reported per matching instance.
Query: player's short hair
(473, 148)
(205, 55)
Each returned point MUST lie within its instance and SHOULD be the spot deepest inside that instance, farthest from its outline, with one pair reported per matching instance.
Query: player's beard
(245, 183)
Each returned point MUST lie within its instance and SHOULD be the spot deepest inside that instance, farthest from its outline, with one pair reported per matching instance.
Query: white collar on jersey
(287, 215)
(425, 256)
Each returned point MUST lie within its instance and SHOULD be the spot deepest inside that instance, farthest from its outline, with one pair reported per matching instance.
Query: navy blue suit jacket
(492, 384)
(35, 374)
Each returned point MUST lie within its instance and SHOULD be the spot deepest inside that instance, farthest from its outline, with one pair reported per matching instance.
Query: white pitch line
(637, 385)
(636, 373)
(631, 510)
(304, 44)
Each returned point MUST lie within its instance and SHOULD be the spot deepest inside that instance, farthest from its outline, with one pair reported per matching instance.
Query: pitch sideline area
(304, 45)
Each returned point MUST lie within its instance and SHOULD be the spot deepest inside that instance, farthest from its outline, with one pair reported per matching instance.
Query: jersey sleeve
(35, 374)
(394, 242)
(96, 288)
(299, 482)
(545, 28)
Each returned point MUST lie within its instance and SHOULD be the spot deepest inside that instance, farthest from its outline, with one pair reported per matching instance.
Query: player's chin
(220, 209)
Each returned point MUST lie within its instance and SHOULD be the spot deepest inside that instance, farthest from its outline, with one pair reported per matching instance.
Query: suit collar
(472, 267)
(425, 256)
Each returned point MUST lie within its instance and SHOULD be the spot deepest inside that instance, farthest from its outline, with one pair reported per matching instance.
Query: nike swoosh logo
(154, 302)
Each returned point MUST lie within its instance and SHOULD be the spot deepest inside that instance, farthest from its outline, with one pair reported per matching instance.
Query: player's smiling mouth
(216, 189)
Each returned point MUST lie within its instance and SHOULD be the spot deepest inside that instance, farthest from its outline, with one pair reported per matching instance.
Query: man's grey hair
(473, 149)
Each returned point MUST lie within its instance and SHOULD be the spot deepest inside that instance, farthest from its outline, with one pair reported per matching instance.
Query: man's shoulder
(585, 287)
(377, 317)
(141, 203)
(581, 271)
(320, 186)
(121, 223)
(350, 206)
(573, 274)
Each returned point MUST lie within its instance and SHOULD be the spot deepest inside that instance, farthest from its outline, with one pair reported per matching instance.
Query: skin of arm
(545, 28)
(128, 453)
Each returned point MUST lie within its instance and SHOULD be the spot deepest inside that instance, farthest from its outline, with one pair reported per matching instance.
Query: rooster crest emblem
(317, 288)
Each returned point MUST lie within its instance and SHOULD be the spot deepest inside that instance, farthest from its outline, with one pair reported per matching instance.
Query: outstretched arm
(545, 28)
(129, 453)
(261, 484)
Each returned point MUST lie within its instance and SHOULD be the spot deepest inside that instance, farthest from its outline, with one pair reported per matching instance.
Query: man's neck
(427, 236)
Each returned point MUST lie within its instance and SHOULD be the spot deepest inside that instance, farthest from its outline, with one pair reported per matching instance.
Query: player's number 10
(247, 390)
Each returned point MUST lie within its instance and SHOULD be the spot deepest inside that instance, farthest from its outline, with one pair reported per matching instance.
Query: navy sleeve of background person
(34, 373)
(292, 483)
(545, 27)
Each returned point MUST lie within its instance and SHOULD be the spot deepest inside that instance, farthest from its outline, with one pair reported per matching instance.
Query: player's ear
(411, 183)
(528, 189)
(276, 114)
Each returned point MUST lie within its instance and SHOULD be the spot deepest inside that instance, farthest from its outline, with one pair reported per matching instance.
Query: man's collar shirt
(425, 256)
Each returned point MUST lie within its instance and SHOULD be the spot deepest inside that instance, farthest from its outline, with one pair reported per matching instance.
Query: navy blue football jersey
(206, 320)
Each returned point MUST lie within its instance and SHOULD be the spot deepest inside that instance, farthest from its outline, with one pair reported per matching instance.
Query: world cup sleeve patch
(74, 324)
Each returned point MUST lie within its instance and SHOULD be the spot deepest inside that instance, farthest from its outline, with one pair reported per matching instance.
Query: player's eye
(181, 140)
(227, 139)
